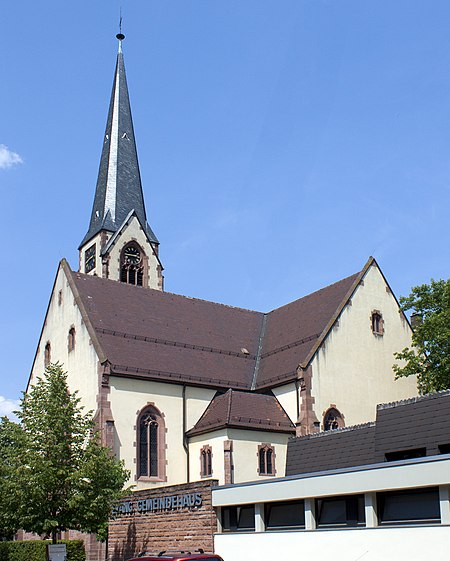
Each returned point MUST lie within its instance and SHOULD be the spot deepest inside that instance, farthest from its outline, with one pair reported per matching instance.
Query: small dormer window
(132, 265)
(377, 323)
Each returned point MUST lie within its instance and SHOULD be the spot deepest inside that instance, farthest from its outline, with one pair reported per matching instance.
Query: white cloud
(7, 406)
(8, 158)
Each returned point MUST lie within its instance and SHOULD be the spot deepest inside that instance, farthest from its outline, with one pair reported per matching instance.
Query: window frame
(206, 461)
(161, 462)
(410, 521)
(268, 508)
(266, 450)
(377, 323)
(71, 338)
(47, 354)
(235, 514)
(352, 504)
(338, 418)
(139, 271)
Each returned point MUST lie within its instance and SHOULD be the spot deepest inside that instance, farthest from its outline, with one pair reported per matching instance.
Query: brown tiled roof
(293, 330)
(150, 334)
(419, 423)
(243, 410)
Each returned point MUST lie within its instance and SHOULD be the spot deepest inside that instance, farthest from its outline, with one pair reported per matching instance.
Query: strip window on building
(340, 511)
(285, 515)
(414, 506)
(238, 518)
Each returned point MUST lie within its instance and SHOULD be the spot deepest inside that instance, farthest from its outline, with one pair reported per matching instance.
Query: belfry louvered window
(148, 446)
(132, 265)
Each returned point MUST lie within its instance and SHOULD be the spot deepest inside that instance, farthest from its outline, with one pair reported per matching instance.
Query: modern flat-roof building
(375, 491)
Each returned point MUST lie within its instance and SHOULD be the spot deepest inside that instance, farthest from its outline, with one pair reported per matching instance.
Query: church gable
(352, 370)
(65, 338)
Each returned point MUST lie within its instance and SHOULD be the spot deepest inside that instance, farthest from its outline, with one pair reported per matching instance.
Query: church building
(187, 390)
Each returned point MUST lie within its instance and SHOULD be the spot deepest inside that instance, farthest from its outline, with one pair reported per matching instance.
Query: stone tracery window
(333, 419)
(266, 459)
(151, 444)
(206, 461)
(132, 265)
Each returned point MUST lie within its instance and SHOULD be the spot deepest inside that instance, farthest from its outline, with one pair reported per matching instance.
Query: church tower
(119, 243)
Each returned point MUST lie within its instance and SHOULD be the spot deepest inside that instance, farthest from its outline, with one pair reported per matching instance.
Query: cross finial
(120, 35)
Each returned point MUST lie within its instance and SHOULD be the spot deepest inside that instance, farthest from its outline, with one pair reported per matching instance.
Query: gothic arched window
(266, 459)
(206, 461)
(132, 265)
(151, 444)
(333, 419)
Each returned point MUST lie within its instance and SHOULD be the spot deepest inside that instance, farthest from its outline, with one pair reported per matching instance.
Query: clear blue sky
(281, 143)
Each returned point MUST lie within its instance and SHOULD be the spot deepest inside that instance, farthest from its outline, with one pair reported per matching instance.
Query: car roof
(176, 557)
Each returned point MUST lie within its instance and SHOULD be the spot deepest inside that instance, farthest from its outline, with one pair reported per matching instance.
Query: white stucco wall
(81, 363)
(386, 544)
(215, 439)
(353, 369)
(128, 397)
(245, 453)
(287, 396)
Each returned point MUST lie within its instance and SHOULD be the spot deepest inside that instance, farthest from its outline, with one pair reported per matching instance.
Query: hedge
(35, 550)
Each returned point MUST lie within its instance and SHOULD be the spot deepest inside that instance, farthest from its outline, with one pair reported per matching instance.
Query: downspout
(185, 439)
(297, 395)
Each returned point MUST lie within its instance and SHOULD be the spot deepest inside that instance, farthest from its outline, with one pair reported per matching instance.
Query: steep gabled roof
(119, 189)
(150, 334)
(243, 410)
(293, 330)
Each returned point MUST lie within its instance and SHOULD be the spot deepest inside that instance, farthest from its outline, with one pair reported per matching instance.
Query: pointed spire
(119, 189)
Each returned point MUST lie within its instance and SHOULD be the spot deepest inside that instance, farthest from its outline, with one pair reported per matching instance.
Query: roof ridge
(132, 286)
(410, 400)
(316, 291)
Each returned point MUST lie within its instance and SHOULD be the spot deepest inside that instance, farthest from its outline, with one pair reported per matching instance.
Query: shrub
(35, 550)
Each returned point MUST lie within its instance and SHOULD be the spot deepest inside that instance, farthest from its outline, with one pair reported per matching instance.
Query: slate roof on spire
(119, 189)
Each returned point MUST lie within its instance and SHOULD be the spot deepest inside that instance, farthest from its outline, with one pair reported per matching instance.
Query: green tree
(429, 354)
(61, 477)
(11, 437)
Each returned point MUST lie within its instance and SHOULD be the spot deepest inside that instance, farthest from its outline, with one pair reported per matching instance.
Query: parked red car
(200, 555)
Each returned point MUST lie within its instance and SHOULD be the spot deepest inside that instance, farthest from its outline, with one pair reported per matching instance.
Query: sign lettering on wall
(158, 504)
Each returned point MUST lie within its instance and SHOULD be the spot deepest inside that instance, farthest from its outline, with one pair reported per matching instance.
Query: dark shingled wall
(422, 422)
